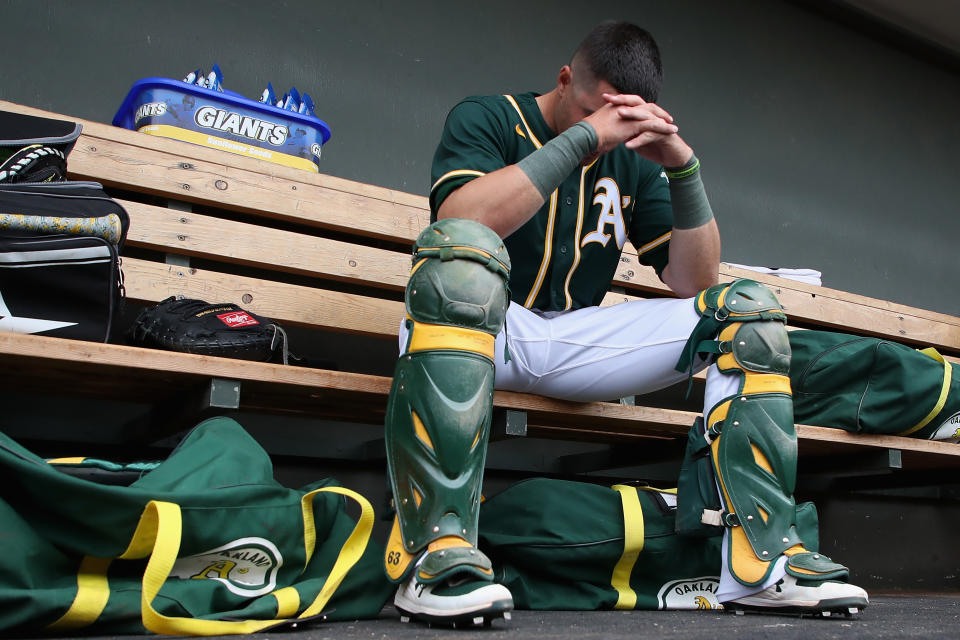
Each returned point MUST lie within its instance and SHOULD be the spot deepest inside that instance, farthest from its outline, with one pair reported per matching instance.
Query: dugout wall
(825, 143)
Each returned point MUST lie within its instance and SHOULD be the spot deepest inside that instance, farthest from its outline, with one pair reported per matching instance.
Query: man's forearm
(691, 208)
(502, 200)
(505, 199)
(694, 259)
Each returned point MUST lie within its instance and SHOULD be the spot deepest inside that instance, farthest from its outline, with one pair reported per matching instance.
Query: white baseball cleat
(792, 596)
(458, 600)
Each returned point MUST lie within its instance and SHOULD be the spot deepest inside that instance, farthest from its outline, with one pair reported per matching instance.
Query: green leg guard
(751, 435)
(438, 414)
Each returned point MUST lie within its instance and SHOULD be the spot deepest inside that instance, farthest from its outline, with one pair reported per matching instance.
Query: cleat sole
(839, 608)
(472, 619)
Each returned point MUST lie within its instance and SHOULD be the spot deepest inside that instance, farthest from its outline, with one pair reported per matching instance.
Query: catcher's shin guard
(438, 414)
(751, 435)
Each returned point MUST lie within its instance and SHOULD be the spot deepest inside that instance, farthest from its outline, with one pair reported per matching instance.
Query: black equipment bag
(59, 259)
(34, 149)
(19, 129)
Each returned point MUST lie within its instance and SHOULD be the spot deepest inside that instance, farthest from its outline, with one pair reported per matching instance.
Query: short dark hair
(624, 55)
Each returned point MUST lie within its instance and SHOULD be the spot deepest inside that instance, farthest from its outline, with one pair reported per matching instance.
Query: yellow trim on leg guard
(430, 337)
(396, 560)
(744, 564)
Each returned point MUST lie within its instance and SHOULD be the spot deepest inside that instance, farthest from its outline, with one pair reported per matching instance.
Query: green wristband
(548, 166)
(691, 209)
(687, 170)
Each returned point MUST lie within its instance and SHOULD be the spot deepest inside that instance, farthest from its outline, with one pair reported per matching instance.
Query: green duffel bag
(204, 543)
(565, 545)
(869, 385)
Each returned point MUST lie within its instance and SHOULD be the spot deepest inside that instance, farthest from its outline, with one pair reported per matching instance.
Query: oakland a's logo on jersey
(247, 567)
(607, 195)
(693, 593)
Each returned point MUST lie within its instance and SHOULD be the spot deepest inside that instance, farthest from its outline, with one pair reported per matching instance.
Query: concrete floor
(887, 617)
(915, 616)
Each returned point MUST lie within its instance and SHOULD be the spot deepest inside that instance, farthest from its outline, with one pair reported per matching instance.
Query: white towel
(810, 276)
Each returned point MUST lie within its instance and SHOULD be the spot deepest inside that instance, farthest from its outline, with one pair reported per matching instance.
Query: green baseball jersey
(566, 255)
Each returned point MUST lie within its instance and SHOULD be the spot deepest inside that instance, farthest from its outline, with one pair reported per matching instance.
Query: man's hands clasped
(641, 126)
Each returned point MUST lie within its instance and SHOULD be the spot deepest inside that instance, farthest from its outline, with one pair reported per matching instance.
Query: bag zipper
(53, 184)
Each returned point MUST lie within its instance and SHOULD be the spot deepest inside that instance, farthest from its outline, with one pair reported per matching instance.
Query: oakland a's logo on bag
(248, 566)
(695, 593)
(949, 430)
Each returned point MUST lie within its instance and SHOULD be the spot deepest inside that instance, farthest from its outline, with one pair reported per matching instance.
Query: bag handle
(158, 536)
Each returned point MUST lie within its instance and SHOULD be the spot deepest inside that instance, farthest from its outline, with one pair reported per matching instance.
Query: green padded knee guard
(459, 277)
(751, 435)
(438, 414)
(718, 306)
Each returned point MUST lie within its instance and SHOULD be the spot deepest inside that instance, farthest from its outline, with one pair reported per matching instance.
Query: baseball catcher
(565, 178)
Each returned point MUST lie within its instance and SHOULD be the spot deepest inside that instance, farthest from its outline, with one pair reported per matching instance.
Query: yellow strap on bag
(92, 595)
(633, 535)
(944, 390)
(353, 548)
(288, 601)
(158, 536)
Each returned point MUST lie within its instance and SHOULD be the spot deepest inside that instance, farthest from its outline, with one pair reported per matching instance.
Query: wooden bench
(328, 257)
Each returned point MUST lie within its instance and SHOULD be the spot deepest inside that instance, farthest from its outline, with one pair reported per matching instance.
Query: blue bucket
(223, 120)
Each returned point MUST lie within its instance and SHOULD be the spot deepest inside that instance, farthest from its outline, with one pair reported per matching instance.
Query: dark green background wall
(822, 146)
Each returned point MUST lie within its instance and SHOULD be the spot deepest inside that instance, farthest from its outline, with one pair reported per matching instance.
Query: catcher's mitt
(225, 330)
